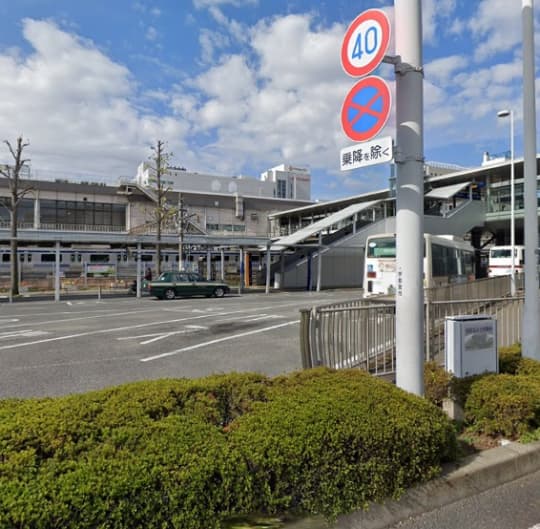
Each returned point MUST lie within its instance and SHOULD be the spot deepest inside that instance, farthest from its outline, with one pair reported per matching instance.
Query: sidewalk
(470, 476)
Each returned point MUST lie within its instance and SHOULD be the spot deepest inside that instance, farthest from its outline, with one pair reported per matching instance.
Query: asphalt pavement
(77, 345)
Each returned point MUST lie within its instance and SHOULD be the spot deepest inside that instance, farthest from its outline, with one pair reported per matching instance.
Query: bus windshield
(382, 247)
(497, 253)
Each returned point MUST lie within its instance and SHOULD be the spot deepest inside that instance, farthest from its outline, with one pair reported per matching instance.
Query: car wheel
(169, 294)
(219, 292)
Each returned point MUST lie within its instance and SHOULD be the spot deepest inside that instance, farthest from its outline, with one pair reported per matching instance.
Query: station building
(230, 222)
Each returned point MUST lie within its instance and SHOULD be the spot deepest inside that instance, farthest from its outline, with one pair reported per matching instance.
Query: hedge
(191, 453)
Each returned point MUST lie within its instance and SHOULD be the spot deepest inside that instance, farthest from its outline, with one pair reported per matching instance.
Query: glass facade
(25, 210)
(82, 213)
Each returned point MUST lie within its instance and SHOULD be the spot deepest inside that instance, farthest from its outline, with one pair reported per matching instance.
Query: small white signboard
(368, 153)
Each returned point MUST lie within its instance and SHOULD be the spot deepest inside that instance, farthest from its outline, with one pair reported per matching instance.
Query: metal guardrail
(493, 287)
(361, 333)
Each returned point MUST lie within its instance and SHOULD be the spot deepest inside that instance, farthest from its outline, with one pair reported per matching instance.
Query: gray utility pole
(181, 228)
(531, 320)
(409, 197)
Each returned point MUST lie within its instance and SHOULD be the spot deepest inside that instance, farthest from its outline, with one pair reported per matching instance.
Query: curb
(472, 475)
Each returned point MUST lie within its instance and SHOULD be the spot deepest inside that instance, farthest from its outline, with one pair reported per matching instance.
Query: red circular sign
(365, 43)
(366, 109)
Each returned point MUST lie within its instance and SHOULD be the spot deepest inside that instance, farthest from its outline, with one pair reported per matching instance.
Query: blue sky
(238, 86)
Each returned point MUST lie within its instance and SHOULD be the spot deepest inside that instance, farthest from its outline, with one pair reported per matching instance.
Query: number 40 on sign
(365, 43)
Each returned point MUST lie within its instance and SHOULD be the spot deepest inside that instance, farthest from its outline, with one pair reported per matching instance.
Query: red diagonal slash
(365, 109)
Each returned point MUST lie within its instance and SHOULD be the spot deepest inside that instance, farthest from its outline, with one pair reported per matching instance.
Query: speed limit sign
(365, 43)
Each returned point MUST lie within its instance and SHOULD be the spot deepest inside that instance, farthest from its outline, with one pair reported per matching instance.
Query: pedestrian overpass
(323, 246)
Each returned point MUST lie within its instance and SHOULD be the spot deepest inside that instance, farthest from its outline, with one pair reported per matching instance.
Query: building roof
(446, 192)
(308, 231)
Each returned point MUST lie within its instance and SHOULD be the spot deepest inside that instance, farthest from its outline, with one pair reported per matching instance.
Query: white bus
(447, 259)
(500, 260)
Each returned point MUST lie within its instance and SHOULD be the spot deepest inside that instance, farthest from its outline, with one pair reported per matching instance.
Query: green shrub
(331, 442)
(509, 359)
(437, 383)
(507, 405)
(189, 453)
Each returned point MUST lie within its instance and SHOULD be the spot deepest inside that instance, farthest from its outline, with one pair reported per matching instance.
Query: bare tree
(163, 213)
(13, 175)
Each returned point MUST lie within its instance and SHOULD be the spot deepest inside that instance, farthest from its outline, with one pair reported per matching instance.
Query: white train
(37, 262)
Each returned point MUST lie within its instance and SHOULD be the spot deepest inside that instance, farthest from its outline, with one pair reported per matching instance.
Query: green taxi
(170, 285)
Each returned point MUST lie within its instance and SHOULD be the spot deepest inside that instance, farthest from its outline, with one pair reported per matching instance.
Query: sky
(238, 86)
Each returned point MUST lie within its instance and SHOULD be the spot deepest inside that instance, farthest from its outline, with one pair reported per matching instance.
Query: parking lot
(49, 348)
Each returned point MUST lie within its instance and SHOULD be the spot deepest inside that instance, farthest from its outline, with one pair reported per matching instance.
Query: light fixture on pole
(504, 114)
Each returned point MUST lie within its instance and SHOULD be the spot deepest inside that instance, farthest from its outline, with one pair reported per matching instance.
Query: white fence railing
(361, 333)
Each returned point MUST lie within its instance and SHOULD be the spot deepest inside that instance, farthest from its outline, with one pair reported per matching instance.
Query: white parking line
(218, 340)
(23, 332)
(154, 337)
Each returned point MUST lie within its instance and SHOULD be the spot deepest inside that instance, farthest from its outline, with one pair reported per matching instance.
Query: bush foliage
(189, 453)
(506, 405)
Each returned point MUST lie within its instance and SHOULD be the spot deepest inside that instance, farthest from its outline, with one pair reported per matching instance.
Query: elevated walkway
(342, 248)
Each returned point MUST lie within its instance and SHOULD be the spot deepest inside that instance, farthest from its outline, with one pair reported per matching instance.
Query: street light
(504, 114)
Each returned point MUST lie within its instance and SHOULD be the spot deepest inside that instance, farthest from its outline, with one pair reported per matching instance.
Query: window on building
(6, 258)
(82, 213)
(281, 188)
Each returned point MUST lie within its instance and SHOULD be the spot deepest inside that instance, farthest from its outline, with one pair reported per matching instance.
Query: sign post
(363, 115)
(409, 198)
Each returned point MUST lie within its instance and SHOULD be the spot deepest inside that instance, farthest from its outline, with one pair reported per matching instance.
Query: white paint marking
(218, 340)
(22, 333)
(140, 326)
(265, 317)
(9, 321)
(160, 333)
(100, 331)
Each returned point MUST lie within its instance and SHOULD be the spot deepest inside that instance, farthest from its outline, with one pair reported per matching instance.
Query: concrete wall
(341, 267)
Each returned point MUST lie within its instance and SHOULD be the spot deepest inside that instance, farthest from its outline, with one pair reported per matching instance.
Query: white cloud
(151, 34)
(230, 81)
(74, 105)
(497, 26)
(435, 14)
(441, 71)
(293, 55)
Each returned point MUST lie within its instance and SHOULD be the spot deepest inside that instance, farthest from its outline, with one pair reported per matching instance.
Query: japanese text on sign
(367, 153)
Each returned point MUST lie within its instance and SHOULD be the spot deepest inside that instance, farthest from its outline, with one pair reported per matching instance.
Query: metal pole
(180, 233)
(503, 114)
(531, 319)
(409, 198)
(240, 271)
(282, 270)
(139, 272)
(57, 272)
(319, 263)
(222, 253)
(208, 264)
(512, 209)
(268, 265)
